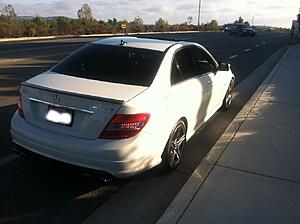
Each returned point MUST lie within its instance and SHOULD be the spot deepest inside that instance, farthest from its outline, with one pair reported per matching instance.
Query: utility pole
(252, 20)
(199, 14)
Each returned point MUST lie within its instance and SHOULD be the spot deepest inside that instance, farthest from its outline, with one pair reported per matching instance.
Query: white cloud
(269, 12)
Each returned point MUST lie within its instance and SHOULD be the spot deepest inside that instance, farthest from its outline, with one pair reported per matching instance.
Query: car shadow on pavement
(5, 138)
(44, 191)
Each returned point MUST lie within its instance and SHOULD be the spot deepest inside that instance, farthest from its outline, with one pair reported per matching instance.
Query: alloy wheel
(176, 146)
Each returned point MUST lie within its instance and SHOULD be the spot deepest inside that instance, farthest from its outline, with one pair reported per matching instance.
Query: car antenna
(123, 43)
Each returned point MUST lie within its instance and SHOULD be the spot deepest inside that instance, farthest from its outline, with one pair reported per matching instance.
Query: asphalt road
(47, 192)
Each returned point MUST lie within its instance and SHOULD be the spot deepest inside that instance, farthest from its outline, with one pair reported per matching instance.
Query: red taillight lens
(20, 107)
(125, 126)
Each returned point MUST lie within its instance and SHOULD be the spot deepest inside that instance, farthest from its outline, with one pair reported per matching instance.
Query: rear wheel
(228, 97)
(174, 148)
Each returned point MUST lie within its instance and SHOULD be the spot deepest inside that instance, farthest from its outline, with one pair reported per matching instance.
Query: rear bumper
(121, 158)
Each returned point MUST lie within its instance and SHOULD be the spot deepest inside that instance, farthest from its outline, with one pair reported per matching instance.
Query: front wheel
(228, 97)
(172, 154)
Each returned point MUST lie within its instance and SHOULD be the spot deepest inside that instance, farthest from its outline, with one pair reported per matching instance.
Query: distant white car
(121, 105)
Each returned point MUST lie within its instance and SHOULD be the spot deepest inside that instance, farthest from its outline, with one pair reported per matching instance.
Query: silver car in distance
(121, 105)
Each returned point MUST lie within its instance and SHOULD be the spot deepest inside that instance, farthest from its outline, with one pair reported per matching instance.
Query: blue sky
(266, 12)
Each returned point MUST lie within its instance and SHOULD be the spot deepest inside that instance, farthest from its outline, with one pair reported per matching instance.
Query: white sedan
(121, 105)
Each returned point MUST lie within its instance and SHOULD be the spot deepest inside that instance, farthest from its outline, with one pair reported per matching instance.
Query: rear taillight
(20, 107)
(125, 126)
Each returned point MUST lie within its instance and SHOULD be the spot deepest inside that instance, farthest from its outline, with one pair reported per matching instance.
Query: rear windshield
(117, 64)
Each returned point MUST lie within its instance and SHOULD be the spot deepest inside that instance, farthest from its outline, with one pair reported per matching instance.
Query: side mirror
(223, 66)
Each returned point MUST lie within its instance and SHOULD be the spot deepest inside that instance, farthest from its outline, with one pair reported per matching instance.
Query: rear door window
(176, 76)
(117, 64)
(204, 63)
(185, 63)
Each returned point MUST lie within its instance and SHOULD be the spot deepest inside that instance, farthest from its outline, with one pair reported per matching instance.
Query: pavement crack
(259, 174)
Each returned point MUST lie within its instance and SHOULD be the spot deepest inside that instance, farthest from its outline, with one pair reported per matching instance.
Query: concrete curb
(85, 36)
(183, 199)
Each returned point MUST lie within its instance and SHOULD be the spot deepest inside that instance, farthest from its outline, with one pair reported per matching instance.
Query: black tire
(173, 151)
(227, 101)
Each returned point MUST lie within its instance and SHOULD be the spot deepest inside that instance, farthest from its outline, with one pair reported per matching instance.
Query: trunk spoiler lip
(109, 100)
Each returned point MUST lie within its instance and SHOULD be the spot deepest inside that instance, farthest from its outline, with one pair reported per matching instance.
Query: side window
(186, 63)
(204, 63)
(176, 76)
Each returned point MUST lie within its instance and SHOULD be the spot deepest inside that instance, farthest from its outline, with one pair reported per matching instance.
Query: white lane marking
(257, 45)
(8, 159)
(233, 56)
(247, 50)
(264, 42)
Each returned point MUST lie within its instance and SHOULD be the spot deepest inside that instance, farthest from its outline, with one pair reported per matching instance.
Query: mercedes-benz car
(121, 105)
(242, 30)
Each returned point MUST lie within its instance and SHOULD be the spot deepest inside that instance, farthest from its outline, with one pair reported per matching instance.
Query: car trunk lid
(90, 104)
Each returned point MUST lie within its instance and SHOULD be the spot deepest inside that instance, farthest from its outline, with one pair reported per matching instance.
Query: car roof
(137, 42)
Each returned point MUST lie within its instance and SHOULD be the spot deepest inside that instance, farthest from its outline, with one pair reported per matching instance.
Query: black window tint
(204, 63)
(186, 64)
(116, 64)
(175, 73)
(241, 26)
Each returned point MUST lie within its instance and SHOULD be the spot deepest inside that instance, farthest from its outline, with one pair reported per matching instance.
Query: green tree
(137, 25)
(40, 21)
(8, 12)
(113, 22)
(63, 25)
(85, 12)
(41, 26)
(113, 26)
(213, 25)
(240, 20)
(29, 28)
(10, 28)
(161, 25)
(62, 21)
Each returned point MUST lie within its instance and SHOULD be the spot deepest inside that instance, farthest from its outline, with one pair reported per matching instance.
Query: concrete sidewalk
(252, 174)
